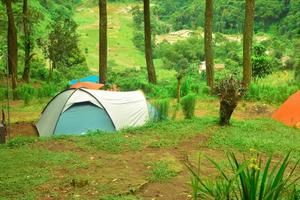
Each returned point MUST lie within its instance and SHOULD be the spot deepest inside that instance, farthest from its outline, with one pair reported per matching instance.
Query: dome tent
(77, 111)
(289, 111)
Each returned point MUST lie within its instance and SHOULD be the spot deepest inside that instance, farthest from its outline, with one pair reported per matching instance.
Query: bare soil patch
(23, 129)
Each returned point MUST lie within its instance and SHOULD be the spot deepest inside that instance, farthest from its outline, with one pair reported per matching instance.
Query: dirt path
(178, 188)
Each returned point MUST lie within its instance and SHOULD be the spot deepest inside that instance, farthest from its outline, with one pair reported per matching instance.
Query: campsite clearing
(141, 163)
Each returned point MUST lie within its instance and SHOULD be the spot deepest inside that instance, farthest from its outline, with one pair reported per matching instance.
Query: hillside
(121, 51)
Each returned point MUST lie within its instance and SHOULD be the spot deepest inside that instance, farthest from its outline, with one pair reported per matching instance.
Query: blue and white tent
(77, 111)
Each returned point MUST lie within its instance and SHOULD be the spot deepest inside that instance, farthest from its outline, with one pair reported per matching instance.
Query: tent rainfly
(289, 111)
(77, 111)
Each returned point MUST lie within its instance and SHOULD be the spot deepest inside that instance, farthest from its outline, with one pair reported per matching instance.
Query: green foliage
(26, 92)
(188, 104)
(50, 89)
(61, 46)
(157, 27)
(270, 15)
(250, 179)
(161, 171)
(182, 54)
(297, 61)
(162, 108)
(133, 79)
(270, 93)
(38, 71)
(261, 63)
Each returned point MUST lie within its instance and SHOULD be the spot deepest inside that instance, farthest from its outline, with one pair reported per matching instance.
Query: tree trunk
(226, 110)
(12, 46)
(247, 43)
(148, 48)
(103, 41)
(27, 43)
(209, 60)
(178, 89)
(3, 131)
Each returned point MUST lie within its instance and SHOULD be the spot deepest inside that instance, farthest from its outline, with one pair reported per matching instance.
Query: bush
(270, 94)
(50, 89)
(261, 63)
(290, 63)
(25, 92)
(188, 105)
(39, 73)
(162, 108)
(3, 93)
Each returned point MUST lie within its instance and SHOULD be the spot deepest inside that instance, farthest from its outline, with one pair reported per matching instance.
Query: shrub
(250, 180)
(185, 87)
(3, 93)
(39, 73)
(261, 63)
(162, 108)
(290, 63)
(188, 105)
(50, 89)
(26, 92)
(270, 94)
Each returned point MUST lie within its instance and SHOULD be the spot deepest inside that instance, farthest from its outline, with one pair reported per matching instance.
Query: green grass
(264, 135)
(107, 161)
(24, 169)
(161, 171)
(157, 135)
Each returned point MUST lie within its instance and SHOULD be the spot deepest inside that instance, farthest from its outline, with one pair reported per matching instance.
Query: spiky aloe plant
(250, 180)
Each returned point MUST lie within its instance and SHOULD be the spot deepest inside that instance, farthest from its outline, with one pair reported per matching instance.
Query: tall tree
(27, 42)
(208, 49)
(12, 45)
(102, 41)
(148, 47)
(247, 43)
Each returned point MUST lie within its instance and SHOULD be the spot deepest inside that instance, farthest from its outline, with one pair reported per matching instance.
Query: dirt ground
(23, 129)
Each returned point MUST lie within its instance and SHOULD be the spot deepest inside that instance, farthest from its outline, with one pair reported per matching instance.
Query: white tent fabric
(126, 109)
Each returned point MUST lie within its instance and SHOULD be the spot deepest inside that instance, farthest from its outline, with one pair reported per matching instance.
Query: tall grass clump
(248, 180)
(188, 104)
(162, 109)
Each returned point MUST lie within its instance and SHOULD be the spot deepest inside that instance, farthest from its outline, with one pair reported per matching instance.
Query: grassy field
(142, 163)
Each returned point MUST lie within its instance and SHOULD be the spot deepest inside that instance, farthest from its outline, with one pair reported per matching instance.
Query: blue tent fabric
(93, 79)
(82, 118)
